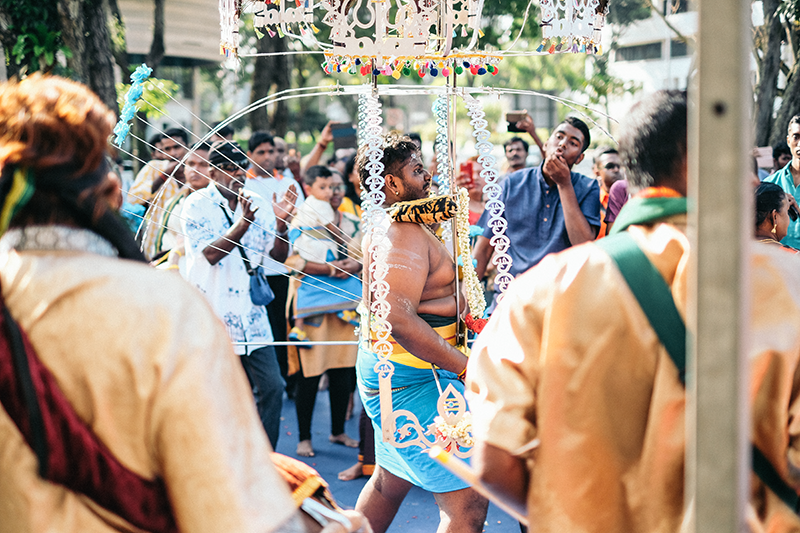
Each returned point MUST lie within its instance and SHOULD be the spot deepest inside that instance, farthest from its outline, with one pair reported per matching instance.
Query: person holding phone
(521, 121)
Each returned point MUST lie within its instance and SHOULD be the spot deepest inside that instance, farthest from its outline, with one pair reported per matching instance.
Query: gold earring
(774, 228)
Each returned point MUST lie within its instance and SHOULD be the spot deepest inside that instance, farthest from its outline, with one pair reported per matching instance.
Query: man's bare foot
(354, 472)
(343, 438)
(304, 449)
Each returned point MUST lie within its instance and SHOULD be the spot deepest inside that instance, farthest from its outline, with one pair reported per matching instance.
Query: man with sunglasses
(608, 170)
(225, 227)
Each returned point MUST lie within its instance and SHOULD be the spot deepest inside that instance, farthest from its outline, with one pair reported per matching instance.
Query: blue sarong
(414, 389)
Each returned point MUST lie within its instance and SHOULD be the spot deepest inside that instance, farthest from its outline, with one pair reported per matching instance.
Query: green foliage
(626, 12)
(38, 31)
(36, 48)
(155, 97)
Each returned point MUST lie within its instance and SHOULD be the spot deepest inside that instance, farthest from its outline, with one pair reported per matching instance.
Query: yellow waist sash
(401, 356)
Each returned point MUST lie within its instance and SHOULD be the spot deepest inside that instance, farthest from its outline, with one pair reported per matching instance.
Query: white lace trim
(56, 238)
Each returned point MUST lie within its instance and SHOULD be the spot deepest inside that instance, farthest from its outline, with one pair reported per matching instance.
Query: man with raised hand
(228, 231)
(548, 208)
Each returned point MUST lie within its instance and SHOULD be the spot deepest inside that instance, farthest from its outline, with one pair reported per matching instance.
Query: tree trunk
(156, 53)
(767, 88)
(269, 72)
(790, 106)
(119, 43)
(84, 29)
(71, 13)
(8, 39)
(99, 63)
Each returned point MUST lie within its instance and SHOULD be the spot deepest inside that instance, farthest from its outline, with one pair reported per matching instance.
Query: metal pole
(717, 460)
(452, 103)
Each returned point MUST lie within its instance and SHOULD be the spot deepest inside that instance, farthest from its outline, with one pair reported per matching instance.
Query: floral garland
(123, 127)
(459, 434)
(477, 304)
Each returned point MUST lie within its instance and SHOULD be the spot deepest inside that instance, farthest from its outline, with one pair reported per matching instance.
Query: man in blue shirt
(548, 208)
(789, 178)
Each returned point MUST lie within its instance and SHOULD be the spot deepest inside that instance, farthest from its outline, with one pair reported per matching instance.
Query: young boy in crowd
(313, 233)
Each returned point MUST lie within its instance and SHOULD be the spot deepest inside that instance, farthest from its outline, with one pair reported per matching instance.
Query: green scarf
(647, 211)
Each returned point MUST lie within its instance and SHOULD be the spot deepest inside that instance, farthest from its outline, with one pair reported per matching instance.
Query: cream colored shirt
(145, 363)
(141, 193)
(570, 359)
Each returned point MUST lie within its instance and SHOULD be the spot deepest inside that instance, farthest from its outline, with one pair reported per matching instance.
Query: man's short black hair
(317, 171)
(653, 139)
(225, 152)
(794, 120)
(202, 145)
(397, 149)
(604, 150)
(414, 136)
(513, 140)
(581, 126)
(258, 138)
(155, 139)
(225, 131)
(779, 149)
(178, 133)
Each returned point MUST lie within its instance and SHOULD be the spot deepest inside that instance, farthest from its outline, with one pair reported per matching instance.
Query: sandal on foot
(304, 449)
(343, 439)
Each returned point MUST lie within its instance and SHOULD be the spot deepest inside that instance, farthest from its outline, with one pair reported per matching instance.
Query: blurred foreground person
(580, 424)
(124, 407)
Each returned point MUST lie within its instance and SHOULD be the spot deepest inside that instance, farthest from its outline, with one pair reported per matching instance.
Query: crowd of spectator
(298, 218)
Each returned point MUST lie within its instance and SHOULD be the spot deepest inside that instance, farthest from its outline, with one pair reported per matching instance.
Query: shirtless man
(423, 314)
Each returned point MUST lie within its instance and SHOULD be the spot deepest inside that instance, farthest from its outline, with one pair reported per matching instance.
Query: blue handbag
(260, 291)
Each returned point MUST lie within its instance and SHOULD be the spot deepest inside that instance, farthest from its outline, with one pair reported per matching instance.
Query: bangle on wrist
(463, 374)
(333, 270)
(322, 145)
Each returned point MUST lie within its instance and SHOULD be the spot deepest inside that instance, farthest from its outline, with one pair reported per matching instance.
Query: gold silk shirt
(148, 367)
(570, 359)
(141, 193)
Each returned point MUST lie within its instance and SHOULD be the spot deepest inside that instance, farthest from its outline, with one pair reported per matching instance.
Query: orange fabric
(603, 397)
(658, 192)
(603, 207)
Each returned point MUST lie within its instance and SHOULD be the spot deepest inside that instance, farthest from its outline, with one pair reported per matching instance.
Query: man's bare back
(421, 278)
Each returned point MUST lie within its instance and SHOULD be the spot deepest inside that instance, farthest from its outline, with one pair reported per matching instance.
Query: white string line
(153, 204)
(190, 150)
(521, 29)
(345, 293)
(275, 235)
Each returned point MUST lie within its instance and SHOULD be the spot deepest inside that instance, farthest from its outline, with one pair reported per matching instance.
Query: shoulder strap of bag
(247, 265)
(655, 299)
(67, 450)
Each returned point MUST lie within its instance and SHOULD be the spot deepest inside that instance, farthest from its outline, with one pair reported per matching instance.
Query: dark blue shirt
(535, 218)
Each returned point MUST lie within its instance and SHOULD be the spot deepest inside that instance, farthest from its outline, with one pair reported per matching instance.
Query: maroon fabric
(76, 458)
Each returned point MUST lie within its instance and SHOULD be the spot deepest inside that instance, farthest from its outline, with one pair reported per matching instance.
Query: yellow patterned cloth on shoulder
(424, 211)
